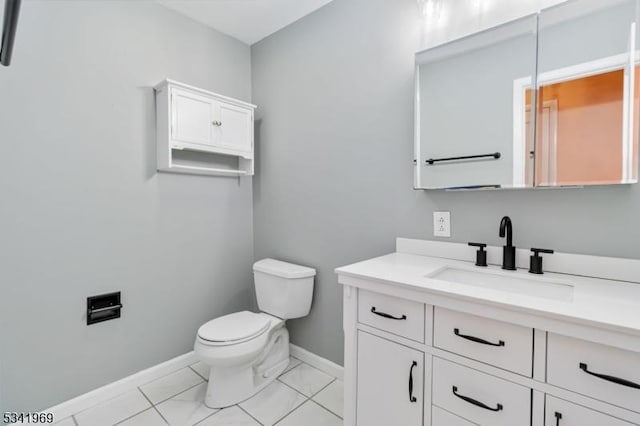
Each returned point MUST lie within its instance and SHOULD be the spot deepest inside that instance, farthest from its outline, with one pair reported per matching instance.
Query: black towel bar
(432, 161)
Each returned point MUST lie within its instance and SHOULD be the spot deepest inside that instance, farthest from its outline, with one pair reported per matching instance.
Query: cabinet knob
(217, 123)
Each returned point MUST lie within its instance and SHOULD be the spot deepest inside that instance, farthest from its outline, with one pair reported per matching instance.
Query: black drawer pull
(477, 339)
(475, 402)
(611, 379)
(558, 417)
(382, 314)
(411, 397)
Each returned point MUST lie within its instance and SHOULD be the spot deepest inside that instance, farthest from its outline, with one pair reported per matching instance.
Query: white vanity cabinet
(390, 388)
(421, 352)
(216, 130)
(563, 413)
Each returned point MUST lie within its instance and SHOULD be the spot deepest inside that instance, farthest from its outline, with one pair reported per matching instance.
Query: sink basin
(510, 282)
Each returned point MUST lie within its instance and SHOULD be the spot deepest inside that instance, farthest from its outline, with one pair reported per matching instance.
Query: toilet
(245, 350)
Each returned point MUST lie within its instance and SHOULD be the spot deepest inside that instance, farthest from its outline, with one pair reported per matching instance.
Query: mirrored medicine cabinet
(548, 100)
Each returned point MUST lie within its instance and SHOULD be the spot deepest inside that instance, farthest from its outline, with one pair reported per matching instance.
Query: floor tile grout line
(292, 411)
(153, 406)
(309, 365)
(320, 403)
(173, 396)
(101, 403)
(137, 388)
(300, 406)
(132, 416)
(249, 414)
(209, 416)
(291, 387)
(313, 394)
(206, 379)
(135, 414)
(308, 398)
(324, 387)
(325, 408)
(160, 414)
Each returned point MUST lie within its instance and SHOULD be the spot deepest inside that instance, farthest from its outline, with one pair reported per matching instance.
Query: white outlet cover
(442, 224)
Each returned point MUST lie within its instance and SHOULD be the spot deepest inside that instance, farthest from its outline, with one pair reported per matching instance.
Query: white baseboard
(317, 361)
(104, 393)
(112, 390)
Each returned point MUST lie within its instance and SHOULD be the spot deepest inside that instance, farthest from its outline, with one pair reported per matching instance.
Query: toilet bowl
(246, 351)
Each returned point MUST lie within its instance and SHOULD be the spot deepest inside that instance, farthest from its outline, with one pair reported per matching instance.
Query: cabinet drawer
(479, 397)
(398, 316)
(602, 372)
(440, 417)
(563, 413)
(498, 343)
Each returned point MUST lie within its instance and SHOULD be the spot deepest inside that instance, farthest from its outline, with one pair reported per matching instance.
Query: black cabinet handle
(382, 314)
(611, 379)
(558, 417)
(475, 402)
(411, 397)
(477, 339)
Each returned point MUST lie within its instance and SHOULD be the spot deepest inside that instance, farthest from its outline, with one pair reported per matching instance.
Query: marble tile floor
(301, 396)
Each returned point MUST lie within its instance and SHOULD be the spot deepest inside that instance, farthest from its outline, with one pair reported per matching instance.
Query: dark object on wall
(432, 161)
(11, 12)
(103, 307)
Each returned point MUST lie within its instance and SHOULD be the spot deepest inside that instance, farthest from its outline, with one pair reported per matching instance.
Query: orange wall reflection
(588, 130)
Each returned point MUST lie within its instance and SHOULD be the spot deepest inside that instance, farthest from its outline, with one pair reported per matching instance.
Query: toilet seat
(234, 328)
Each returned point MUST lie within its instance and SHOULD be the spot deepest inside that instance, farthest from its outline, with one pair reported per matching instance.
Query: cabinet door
(445, 418)
(191, 118)
(233, 129)
(563, 413)
(390, 383)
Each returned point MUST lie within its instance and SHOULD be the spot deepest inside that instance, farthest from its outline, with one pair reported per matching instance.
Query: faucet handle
(535, 262)
(481, 255)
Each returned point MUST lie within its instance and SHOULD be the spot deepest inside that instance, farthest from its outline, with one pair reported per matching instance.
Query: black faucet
(508, 250)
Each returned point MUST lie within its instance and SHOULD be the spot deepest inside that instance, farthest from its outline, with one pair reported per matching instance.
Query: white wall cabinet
(191, 119)
(235, 128)
(216, 130)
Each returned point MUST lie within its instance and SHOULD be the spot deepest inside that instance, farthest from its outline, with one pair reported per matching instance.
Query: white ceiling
(247, 20)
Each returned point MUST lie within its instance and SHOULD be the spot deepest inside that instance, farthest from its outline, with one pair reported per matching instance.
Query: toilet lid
(238, 326)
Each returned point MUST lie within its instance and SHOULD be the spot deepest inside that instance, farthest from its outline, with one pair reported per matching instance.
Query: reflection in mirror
(586, 130)
(464, 109)
(548, 100)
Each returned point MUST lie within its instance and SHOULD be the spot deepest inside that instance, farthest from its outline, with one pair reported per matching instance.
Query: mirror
(587, 99)
(475, 124)
(465, 107)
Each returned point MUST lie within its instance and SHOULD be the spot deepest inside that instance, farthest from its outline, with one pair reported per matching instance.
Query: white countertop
(600, 302)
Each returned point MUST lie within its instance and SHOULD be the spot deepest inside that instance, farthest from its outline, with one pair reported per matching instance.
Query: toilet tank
(283, 289)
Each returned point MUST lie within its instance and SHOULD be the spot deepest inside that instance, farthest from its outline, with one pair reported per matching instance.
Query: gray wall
(334, 176)
(83, 212)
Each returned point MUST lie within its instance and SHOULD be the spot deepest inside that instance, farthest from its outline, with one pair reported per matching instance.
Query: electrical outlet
(442, 224)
